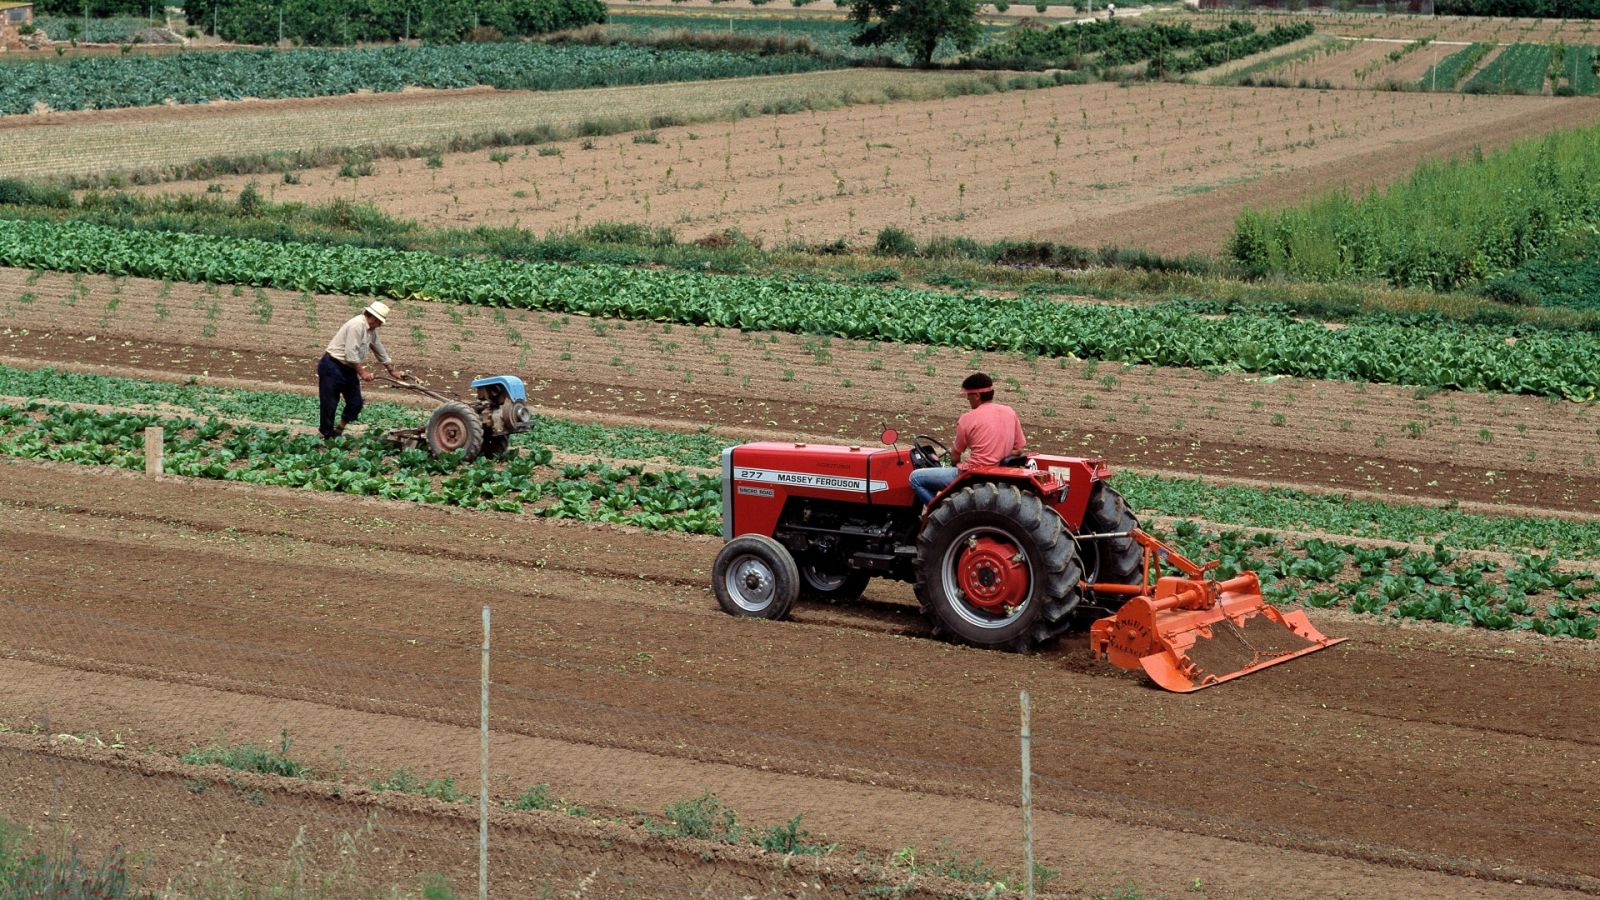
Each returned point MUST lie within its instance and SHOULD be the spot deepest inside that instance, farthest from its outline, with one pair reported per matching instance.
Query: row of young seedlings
(1445, 585)
(1536, 592)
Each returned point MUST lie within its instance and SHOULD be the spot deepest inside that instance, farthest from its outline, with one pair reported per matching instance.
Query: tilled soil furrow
(649, 665)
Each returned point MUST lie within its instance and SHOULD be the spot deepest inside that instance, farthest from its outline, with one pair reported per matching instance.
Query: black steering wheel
(923, 455)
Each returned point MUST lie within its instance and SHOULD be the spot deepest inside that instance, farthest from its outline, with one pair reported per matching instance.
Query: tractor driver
(340, 371)
(990, 431)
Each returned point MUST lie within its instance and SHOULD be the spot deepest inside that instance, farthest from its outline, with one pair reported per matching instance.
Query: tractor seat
(1016, 459)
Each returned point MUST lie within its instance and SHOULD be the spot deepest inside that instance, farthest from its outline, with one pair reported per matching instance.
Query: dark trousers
(335, 381)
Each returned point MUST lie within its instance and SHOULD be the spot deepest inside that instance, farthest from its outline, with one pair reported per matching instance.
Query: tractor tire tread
(1121, 560)
(1057, 562)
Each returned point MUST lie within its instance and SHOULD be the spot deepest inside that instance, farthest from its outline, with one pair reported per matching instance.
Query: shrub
(893, 241)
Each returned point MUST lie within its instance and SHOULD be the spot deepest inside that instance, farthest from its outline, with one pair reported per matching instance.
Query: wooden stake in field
(154, 442)
(1027, 800)
(483, 775)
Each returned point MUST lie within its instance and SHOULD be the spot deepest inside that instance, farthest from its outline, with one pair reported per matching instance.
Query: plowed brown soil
(1366, 64)
(1083, 164)
(165, 613)
(1447, 445)
(1441, 28)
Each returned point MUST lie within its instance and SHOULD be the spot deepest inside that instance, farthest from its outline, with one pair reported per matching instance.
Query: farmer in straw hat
(340, 371)
(988, 432)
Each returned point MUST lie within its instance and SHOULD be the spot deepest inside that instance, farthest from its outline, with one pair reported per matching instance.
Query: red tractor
(1009, 556)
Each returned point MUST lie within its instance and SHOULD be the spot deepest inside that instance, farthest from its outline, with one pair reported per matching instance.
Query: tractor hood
(823, 468)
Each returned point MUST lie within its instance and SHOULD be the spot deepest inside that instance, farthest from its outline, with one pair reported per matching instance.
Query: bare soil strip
(1445, 445)
(117, 141)
(1403, 27)
(1146, 165)
(1391, 758)
(212, 826)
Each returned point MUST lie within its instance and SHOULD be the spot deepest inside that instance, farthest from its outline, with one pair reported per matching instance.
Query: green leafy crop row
(1533, 594)
(1520, 68)
(1464, 357)
(284, 408)
(113, 81)
(1445, 74)
(1289, 509)
(670, 500)
(1188, 498)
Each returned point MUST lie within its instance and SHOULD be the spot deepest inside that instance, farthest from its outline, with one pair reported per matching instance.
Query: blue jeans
(333, 382)
(927, 482)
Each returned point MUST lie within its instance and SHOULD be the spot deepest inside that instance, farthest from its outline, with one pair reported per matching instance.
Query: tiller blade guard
(1192, 631)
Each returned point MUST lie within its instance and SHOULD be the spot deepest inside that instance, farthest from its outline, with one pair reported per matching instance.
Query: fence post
(153, 445)
(1027, 799)
(483, 779)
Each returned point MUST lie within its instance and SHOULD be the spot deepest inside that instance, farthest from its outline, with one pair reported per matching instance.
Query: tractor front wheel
(454, 426)
(755, 577)
(996, 568)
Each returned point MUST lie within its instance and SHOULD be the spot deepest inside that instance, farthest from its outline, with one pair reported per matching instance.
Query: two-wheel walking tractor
(481, 427)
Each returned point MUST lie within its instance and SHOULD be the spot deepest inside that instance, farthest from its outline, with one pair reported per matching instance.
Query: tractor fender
(1064, 484)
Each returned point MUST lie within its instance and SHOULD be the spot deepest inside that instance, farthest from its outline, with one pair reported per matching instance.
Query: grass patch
(402, 781)
(250, 758)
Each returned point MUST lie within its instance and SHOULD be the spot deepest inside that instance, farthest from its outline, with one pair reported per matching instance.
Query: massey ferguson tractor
(1009, 557)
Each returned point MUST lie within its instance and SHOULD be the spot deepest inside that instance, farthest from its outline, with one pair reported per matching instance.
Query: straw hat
(378, 310)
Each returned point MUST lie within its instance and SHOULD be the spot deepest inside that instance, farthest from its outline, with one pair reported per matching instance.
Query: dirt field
(122, 140)
(1406, 762)
(1163, 167)
(1467, 447)
(1465, 29)
(1366, 64)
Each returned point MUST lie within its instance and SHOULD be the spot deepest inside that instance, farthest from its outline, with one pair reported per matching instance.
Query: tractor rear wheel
(1112, 560)
(822, 583)
(997, 569)
(455, 426)
(755, 577)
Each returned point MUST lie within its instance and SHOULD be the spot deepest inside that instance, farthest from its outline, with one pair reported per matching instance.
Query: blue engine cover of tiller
(511, 383)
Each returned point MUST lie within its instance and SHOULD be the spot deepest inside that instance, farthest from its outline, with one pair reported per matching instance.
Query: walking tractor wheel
(755, 577)
(455, 426)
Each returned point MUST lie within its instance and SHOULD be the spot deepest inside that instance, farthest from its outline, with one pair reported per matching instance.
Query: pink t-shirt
(992, 432)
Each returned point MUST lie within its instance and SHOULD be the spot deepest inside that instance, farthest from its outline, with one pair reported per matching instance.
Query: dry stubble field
(1162, 167)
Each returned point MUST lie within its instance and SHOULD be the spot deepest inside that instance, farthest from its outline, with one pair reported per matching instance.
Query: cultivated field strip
(574, 605)
(1074, 159)
(123, 140)
(1442, 28)
(1496, 448)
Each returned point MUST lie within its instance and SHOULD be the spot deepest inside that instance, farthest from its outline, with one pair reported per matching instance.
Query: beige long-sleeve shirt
(353, 340)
